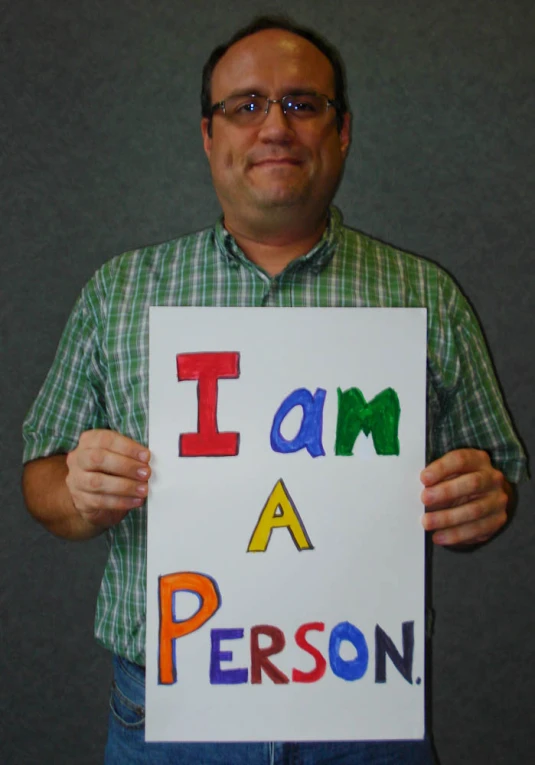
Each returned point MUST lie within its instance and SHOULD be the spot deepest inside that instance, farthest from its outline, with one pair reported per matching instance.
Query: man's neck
(275, 251)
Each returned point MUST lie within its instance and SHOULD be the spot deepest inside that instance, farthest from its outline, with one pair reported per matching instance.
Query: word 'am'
(380, 416)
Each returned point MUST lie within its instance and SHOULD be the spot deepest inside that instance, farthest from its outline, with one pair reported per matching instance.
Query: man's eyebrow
(258, 91)
(301, 92)
(251, 91)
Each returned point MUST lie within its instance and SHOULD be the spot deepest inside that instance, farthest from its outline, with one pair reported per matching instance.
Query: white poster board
(285, 586)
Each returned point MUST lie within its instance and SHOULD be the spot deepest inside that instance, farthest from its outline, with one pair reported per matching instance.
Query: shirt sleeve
(71, 399)
(472, 410)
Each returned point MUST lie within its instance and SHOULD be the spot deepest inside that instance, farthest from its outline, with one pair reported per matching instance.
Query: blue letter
(220, 676)
(356, 668)
(310, 432)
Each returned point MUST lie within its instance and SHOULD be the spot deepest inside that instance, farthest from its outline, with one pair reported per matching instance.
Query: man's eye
(303, 105)
(247, 107)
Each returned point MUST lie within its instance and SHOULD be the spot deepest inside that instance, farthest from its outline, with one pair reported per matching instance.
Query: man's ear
(206, 138)
(345, 134)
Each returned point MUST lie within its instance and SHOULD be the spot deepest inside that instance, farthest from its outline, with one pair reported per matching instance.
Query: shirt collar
(315, 260)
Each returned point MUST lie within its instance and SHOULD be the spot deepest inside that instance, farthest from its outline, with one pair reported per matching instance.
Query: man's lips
(274, 161)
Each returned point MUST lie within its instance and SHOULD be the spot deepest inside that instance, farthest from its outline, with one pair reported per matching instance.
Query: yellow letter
(270, 518)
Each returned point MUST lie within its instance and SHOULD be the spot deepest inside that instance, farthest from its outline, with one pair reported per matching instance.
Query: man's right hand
(79, 495)
(107, 477)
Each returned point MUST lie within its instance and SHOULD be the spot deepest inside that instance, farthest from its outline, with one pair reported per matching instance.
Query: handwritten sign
(285, 584)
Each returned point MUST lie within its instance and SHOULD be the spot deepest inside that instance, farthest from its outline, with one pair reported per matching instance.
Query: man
(276, 131)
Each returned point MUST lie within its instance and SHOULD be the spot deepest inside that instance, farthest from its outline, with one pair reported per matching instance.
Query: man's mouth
(276, 161)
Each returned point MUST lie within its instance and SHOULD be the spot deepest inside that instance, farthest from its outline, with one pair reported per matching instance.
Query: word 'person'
(207, 591)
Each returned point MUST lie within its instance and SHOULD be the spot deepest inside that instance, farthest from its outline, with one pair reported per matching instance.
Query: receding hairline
(285, 33)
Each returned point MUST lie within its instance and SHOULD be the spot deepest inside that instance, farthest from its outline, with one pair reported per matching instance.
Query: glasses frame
(221, 105)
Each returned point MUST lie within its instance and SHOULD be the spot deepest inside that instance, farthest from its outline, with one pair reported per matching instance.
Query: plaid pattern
(99, 376)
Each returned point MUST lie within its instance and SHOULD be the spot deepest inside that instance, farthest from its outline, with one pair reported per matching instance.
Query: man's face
(264, 173)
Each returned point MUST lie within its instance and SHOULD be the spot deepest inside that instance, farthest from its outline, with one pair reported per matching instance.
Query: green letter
(380, 417)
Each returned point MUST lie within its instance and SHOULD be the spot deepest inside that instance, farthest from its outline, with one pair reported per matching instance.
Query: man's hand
(466, 499)
(79, 495)
(107, 476)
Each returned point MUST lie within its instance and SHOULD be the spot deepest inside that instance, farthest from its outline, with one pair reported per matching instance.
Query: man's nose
(275, 123)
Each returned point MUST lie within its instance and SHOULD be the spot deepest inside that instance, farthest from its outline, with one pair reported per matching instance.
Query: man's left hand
(466, 498)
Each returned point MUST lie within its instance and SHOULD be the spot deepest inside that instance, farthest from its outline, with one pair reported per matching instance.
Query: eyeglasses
(252, 109)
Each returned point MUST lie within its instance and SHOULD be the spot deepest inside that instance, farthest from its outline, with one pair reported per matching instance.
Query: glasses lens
(304, 105)
(245, 109)
(251, 110)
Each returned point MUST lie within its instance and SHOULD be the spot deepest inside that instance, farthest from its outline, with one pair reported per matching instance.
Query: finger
(469, 533)
(101, 460)
(461, 488)
(96, 503)
(112, 441)
(469, 512)
(454, 463)
(93, 506)
(102, 484)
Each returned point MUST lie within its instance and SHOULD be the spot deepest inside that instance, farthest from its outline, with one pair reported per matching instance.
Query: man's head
(277, 22)
(274, 161)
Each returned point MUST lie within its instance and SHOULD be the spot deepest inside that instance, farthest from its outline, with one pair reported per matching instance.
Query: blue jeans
(126, 739)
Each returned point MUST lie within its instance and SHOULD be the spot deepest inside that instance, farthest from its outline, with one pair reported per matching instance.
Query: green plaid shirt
(99, 378)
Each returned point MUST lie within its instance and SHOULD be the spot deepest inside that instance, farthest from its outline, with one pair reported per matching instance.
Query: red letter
(170, 630)
(259, 656)
(321, 665)
(207, 368)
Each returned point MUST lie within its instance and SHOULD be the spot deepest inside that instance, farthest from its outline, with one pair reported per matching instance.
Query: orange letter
(170, 629)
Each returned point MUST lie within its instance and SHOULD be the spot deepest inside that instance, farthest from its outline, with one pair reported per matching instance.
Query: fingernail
(143, 456)
(142, 488)
(142, 472)
(439, 539)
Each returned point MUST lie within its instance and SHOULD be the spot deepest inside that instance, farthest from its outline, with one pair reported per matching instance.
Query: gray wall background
(101, 152)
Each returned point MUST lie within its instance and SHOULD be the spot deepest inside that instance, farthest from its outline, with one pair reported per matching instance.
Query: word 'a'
(380, 416)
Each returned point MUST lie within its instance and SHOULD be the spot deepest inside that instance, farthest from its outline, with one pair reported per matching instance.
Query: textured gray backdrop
(101, 152)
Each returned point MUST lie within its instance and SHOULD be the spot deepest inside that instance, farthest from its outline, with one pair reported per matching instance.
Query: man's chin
(280, 199)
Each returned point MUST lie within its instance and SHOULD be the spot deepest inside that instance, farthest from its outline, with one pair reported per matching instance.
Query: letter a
(310, 432)
(279, 512)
